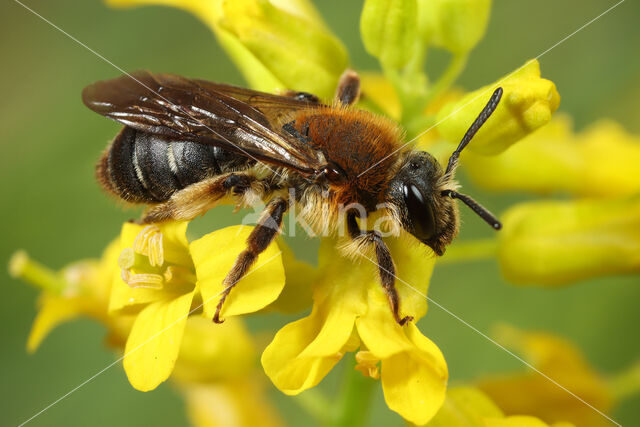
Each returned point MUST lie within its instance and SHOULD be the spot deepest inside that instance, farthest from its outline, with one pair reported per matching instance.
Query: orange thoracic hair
(364, 147)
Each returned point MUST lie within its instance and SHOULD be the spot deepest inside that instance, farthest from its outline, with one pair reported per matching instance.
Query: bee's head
(422, 192)
(424, 212)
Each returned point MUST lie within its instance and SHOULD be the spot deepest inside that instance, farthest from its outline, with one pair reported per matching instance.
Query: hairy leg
(198, 198)
(260, 238)
(386, 268)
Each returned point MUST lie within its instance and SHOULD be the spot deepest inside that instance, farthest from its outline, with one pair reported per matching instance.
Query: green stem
(354, 400)
(448, 77)
(410, 83)
(626, 383)
(419, 126)
(23, 267)
(315, 403)
(470, 251)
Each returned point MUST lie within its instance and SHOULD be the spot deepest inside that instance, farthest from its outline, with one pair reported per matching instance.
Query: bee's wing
(274, 107)
(236, 119)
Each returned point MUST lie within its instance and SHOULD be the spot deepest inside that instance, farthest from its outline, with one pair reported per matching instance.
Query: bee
(187, 143)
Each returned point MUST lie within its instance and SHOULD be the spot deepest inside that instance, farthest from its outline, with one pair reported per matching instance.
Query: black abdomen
(140, 167)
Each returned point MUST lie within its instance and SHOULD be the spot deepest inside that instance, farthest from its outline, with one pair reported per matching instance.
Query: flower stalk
(626, 383)
(315, 403)
(21, 266)
(449, 76)
(354, 400)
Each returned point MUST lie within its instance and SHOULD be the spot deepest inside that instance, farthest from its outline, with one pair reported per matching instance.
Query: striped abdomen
(144, 168)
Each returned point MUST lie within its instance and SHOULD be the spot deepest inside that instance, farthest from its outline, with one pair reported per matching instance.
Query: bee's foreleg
(386, 268)
(197, 198)
(260, 238)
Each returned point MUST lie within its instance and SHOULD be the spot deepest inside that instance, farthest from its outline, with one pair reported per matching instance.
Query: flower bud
(554, 243)
(599, 162)
(528, 392)
(300, 53)
(388, 30)
(276, 45)
(455, 25)
(527, 103)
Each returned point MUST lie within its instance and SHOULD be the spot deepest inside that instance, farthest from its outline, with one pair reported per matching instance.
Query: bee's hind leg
(386, 269)
(260, 238)
(197, 198)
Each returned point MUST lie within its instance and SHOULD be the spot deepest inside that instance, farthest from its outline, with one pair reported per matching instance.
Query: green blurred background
(53, 208)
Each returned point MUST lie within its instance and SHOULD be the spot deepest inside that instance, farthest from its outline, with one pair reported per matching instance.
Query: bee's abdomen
(140, 167)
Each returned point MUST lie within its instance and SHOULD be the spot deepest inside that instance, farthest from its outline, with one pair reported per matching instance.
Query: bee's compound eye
(420, 212)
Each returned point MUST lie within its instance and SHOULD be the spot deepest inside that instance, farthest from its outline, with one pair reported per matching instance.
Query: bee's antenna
(475, 126)
(476, 207)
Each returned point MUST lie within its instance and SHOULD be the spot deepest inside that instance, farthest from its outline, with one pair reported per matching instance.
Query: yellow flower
(241, 403)
(601, 161)
(80, 289)
(158, 283)
(215, 365)
(215, 254)
(558, 242)
(296, 295)
(527, 104)
(470, 407)
(162, 273)
(532, 394)
(217, 375)
(276, 45)
(455, 25)
(351, 311)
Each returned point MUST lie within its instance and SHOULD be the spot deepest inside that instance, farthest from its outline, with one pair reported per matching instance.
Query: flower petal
(527, 104)
(53, 311)
(233, 404)
(300, 276)
(303, 352)
(380, 333)
(520, 421)
(415, 381)
(154, 341)
(215, 254)
(127, 300)
(465, 407)
(413, 370)
(414, 265)
(84, 289)
(211, 353)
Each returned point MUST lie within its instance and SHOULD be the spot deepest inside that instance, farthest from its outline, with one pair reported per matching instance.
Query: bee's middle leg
(260, 238)
(386, 268)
